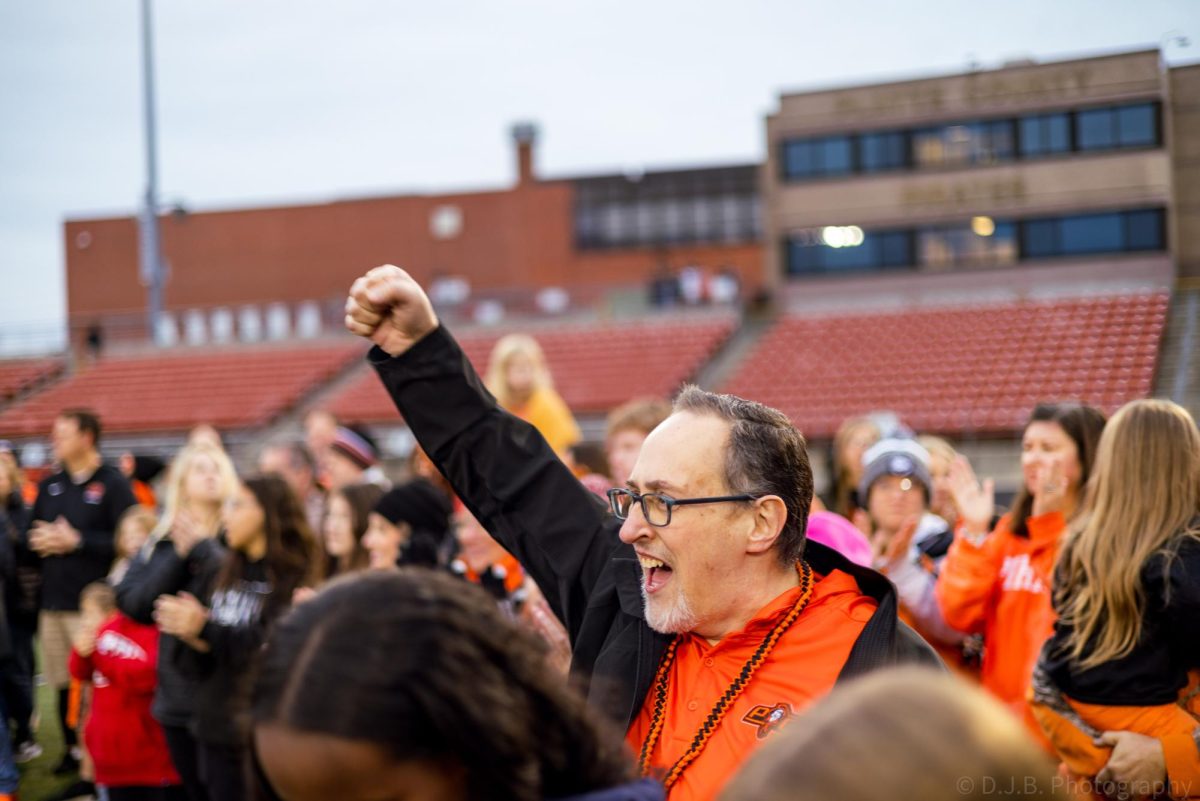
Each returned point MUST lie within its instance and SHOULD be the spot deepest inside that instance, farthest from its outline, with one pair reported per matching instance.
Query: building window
(1118, 127)
(980, 243)
(1137, 126)
(840, 249)
(878, 152)
(816, 158)
(717, 205)
(1144, 230)
(1085, 234)
(1045, 134)
(959, 145)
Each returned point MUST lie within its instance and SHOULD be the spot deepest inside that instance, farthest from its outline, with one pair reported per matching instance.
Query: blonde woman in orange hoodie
(998, 582)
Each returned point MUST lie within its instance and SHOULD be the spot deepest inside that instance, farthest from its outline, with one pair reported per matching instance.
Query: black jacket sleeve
(504, 471)
(158, 571)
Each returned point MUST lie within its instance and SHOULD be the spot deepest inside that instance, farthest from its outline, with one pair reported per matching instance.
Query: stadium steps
(291, 424)
(720, 366)
(1179, 357)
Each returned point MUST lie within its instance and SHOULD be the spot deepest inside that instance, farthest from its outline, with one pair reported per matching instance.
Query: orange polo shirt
(802, 668)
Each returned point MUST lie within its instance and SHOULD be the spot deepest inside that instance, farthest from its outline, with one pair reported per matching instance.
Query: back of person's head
(1083, 425)
(427, 669)
(1144, 491)
(765, 455)
(356, 445)
(902, 733)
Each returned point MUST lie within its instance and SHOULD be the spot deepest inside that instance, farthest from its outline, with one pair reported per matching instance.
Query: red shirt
(803, 667)
(126, 744)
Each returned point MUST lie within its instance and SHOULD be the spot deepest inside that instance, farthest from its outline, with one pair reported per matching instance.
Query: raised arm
(499, 465)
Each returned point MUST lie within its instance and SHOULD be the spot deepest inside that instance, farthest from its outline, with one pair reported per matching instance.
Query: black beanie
(417, 503)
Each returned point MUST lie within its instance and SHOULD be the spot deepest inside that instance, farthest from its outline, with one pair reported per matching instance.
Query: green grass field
(38, 781)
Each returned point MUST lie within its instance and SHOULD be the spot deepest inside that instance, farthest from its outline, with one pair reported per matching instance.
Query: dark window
(799, 159)
(883, 151)
(1091, 233)
(1137, 126)
(1095, 129)
(706, 205)
(1144, 230)
(811, 251)
(835, 155)
(1112, 232)
(1045, 134)
(816, 158)
(1039, 239)
(895, 249)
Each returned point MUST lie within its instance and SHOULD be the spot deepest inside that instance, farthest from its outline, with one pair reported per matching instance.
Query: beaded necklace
(725, 702)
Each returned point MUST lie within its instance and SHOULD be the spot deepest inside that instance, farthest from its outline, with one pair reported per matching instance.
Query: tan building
(1054, 170)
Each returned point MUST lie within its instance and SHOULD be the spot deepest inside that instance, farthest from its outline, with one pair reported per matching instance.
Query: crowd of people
(510, 618)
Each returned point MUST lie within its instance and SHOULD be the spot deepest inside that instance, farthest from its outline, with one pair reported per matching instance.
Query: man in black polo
(73, 522)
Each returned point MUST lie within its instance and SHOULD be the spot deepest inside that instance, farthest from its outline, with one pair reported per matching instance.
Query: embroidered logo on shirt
(1019, 576)
(55, 489)
(768, 718)
(93, 493)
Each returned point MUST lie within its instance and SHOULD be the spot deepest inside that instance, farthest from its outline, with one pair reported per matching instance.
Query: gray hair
(766, 456)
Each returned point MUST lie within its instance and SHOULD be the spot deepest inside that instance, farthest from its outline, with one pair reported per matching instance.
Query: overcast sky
(290, 102)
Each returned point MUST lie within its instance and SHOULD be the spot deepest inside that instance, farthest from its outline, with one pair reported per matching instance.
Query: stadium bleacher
(977, 369)
(595, 367)
(19, 375)
(963, 369)
(172, 391)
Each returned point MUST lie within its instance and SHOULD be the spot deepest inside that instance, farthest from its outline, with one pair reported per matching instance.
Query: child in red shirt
(127, 746)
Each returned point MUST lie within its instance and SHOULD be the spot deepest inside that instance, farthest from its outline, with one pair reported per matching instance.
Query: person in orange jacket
(998, 583)
(1115, 687)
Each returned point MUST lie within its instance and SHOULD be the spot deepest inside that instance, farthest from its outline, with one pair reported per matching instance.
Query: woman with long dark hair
(270, 554)
(345, 524)
(437, 696)
(996, 582)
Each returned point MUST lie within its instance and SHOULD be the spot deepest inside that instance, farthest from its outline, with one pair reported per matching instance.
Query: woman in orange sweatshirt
(998, 583)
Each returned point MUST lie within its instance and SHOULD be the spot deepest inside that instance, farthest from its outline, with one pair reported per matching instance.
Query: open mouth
(655, 572)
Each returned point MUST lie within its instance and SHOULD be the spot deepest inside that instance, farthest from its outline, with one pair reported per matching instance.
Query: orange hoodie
(1002, 589)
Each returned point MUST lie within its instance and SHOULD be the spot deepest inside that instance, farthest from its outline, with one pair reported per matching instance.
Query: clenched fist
(389, 308)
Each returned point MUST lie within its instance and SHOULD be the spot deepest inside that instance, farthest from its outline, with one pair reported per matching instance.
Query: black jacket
(566, 538)
(156, 571)
(93, 507)
(1156, 670)
(239, 617)
(22, 595)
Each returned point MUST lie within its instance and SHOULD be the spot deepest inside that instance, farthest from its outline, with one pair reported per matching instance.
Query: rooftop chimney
(525, 135)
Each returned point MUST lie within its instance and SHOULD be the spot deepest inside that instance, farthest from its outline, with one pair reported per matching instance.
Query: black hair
(292, 557)
(427, 668)
(86, 420)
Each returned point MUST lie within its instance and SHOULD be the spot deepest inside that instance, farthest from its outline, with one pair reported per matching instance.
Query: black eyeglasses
(656, 508)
